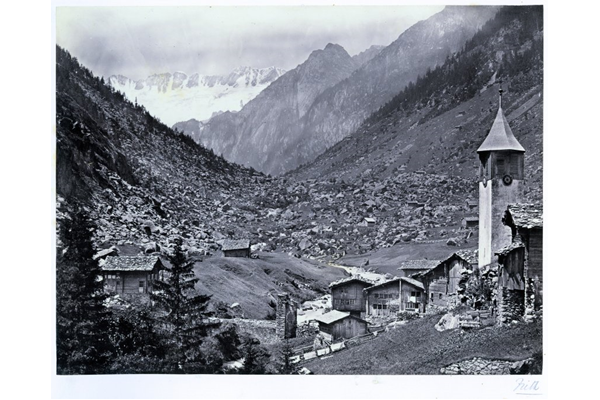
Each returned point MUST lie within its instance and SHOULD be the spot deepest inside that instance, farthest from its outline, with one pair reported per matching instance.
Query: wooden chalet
(521, 261)
(337, 324)
(236, 248)
(398, 294)
(370, 222)
(412, 295)
(442, 283)
(130, 274)
(383, 299)
(470, 222)
(347, 295)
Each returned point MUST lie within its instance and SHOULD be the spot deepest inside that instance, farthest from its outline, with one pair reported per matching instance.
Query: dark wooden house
(347, 295)
(471, 204)
(383, 299)
(520, 273)
(337, 325)
(442, 283)
(130, 274)
(412, 267)
(236, 248)
(412, 295)
(370, 222)
(470, 222)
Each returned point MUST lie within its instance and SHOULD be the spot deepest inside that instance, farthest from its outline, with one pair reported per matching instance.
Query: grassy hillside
(254, 283)
(417, 348)
(387, 260)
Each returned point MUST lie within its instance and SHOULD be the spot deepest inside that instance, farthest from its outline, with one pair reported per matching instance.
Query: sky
(138, 41)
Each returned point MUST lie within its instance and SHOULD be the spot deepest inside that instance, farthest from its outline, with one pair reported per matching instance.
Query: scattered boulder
(448, 321)
(451, 242)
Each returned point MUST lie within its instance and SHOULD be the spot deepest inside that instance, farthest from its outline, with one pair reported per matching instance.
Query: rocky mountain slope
(367, 55)
(284, 127)
(143, 185)
(435, 125)
(174, 97)
(259, 135)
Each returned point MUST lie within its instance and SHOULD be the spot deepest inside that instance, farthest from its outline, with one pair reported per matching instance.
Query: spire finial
(500, 101)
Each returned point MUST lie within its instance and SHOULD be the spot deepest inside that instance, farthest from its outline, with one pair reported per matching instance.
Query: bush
(408, 316)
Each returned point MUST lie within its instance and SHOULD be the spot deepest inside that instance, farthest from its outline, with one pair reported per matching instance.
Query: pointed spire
(500, 136)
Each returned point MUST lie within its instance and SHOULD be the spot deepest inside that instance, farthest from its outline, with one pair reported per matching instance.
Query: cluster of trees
(174, 335)
(467, 71)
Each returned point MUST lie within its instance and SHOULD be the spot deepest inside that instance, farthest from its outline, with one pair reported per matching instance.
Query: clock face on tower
(507, 179)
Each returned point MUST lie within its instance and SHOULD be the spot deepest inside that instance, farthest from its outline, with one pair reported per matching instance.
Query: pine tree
(256, 357)
(185, 314)
(83, 323)
(287, 352)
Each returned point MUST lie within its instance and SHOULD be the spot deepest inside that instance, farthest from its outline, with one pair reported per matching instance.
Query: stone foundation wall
(480, 366)
(307, 330)
(511, 305)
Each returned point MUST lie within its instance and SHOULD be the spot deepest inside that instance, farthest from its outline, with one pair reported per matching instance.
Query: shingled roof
(507, 249)
(413, 282)
(229, 244)
(470, 256)
(500, 136)
(129, 263)
(419, 264)
(395, 280)
(332, 316)
(350, 279)
(526, 216)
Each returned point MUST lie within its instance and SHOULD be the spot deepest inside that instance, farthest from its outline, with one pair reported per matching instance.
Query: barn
(412, 295)
(337, 324)
(130, 274)
(236, 248)
(520, 274)
(443, 283)
(470, 222)
(370, 221)
(347, 295)
(383, 300)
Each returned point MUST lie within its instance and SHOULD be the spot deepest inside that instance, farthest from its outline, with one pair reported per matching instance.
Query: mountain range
(313, 106)
(174, 97)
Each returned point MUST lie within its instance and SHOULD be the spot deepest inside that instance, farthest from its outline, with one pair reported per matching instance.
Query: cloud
(139, 41)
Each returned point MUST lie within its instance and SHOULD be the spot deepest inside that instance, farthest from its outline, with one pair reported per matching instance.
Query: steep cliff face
(314, 106)
(342, 108)
(260, 133)
(436, 124)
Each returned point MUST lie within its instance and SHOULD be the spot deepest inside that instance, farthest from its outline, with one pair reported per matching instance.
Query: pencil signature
(527, 387)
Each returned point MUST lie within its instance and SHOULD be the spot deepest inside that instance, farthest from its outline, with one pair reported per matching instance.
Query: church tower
(501, 182)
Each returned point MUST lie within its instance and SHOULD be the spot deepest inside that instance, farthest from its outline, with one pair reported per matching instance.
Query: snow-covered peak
(177, 96)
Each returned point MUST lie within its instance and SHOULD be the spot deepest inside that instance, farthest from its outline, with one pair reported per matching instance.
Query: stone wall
(511, 305)
(480, 366)
(285, 317)
(307, 330)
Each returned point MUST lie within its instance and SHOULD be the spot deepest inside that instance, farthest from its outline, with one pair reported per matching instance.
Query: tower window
(500, 168)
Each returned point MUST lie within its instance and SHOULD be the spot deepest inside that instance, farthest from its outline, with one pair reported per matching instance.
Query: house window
(440, 296)
(141, 288)
(431, 296)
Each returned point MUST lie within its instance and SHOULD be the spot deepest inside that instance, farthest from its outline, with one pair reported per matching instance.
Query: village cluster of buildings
(510, 241)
